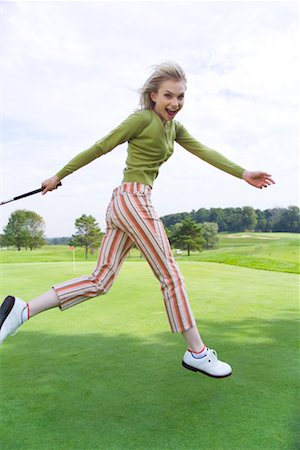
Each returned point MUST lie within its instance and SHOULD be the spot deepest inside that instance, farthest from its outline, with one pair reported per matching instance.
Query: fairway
(268, 251)
(107, 374)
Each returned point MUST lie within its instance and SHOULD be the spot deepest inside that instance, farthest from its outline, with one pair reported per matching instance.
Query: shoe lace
(213, 353)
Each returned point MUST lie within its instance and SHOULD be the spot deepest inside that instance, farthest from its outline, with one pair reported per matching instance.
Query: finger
(268, 177)
(266, 184)
(46, 188)
(269, 181)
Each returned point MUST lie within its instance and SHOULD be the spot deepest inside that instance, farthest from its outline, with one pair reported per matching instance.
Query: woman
(131, 219)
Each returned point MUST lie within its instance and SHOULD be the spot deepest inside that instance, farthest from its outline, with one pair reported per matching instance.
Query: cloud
(71, 72)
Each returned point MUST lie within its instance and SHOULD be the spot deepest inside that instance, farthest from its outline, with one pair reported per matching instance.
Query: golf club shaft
(27, 194)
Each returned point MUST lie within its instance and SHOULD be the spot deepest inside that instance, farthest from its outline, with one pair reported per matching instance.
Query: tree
(249, 218)
(25, 229)
(217, 216)
(289, 220)
(293, 218)
(187, 236)
(35, 229)
(88, 233)
(209, 232)
(172, 219)
(2, 240)
(262, 223)
(274, 216)
(234, 219)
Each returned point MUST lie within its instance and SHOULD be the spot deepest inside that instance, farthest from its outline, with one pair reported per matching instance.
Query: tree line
(186, 231)
(242, 219)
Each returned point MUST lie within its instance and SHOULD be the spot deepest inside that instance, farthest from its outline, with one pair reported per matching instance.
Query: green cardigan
(150, 144)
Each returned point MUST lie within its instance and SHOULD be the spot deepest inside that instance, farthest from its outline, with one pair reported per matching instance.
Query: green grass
(107, 374)
(47, 253)
(268, 251)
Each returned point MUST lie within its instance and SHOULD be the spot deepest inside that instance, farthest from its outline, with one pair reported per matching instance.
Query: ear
(153, 96)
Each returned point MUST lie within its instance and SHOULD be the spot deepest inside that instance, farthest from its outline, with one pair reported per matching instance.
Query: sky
(71, 71)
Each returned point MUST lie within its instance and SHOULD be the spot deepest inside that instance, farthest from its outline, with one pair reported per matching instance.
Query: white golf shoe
(209, 364)
(11, 316)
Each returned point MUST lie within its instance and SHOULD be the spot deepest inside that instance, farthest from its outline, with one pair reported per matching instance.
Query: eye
(168, 95)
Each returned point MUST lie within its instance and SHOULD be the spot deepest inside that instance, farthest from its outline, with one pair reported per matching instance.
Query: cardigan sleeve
(128, 129)
(207, 154)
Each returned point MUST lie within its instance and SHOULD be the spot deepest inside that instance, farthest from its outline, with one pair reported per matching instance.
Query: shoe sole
(6, 308)
(193, 369)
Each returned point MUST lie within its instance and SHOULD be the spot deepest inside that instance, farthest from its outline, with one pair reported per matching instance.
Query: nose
(175, 103)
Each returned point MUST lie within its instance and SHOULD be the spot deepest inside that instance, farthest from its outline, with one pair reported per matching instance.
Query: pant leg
(132, 211)
(114, 248)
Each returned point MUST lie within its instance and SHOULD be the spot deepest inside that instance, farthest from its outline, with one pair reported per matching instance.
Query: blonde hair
(160, 73)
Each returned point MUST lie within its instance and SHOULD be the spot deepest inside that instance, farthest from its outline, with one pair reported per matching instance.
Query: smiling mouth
(171, 113)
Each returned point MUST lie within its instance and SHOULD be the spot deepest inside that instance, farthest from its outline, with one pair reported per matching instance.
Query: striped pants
(130, 220)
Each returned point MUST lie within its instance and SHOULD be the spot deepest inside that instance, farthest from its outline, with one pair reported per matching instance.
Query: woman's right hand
(50, 184)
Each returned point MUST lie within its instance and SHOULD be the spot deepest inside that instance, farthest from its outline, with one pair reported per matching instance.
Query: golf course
(107, 374)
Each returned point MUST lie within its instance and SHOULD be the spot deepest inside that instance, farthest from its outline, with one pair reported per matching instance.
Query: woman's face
(169, 99)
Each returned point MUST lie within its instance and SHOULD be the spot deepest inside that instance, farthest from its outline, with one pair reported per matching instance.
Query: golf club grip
(36, 191)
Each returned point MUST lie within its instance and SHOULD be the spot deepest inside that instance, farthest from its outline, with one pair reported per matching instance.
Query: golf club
(27, 194)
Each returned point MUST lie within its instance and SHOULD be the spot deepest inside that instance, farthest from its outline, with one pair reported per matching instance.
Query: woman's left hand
(258, 179)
